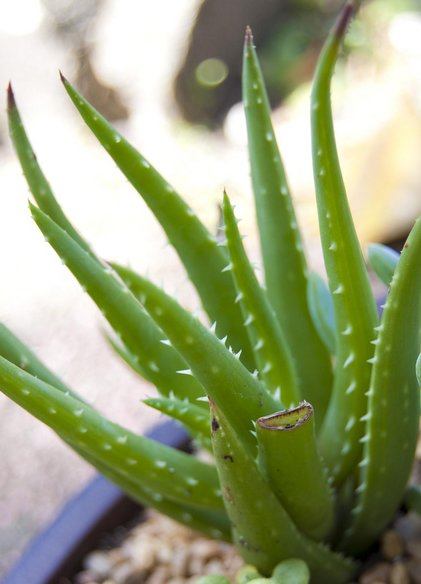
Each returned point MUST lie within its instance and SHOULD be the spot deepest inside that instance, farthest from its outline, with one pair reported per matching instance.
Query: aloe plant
(306, 397)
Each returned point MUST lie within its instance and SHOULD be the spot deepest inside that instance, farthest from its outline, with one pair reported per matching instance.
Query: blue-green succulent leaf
(383, 260)
(322, 312)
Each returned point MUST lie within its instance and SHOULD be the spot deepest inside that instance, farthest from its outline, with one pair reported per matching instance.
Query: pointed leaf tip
(248, 37)
(11, 102)
(344, 18)
(63, 78)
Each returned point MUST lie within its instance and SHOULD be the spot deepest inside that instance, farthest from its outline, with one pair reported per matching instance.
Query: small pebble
(414, 569)
(377, 573)
(414, 548)
(392, 545)
(99, 563)
(399, 574)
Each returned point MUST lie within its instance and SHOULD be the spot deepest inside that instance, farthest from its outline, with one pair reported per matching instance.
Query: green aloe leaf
(213, 523)
(393, 405)
(272, 354)
(195, 419)
(12, 349)
(283, 257)
(262, 530)
(45, 199)
(289, 458)
(203, 259)
(353, 301)
(129, 320)
(175, 475)
(383, 260)
(123, 352)
(322, 312)
(219, 370)
(37, 182)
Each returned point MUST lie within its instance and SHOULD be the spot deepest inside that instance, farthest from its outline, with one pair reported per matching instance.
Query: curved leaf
(321, 309)
(174, 474)
(393, 405)
(354, 305)
(383, 260)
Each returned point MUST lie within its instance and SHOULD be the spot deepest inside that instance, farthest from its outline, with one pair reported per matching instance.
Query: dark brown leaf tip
(344, 18)
(62, 78)
(248, 37)
(11, 102)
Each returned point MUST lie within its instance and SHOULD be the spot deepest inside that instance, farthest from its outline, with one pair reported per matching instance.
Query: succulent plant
(290, 571)
(307, 398)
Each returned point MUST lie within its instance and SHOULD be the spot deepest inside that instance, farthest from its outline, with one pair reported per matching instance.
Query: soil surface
(159, 551)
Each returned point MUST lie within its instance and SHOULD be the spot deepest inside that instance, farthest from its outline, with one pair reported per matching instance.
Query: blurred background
(168, 75)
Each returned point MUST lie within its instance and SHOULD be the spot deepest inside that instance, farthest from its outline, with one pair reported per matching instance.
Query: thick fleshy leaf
(203, 259)
(289, 458)
(392, 418)
(123, 352)
(321, 308)
(129, 320)
(220, 372)
(383, 260)
(164, 470)
(37, 182)
(262, 530)
(12, 349)
(272, 353)
(195, 419)
(353, 301)
(210, 522)
(283, 257)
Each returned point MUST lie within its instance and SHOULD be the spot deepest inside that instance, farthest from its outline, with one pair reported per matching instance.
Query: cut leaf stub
(287, 419)
(290, 460)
